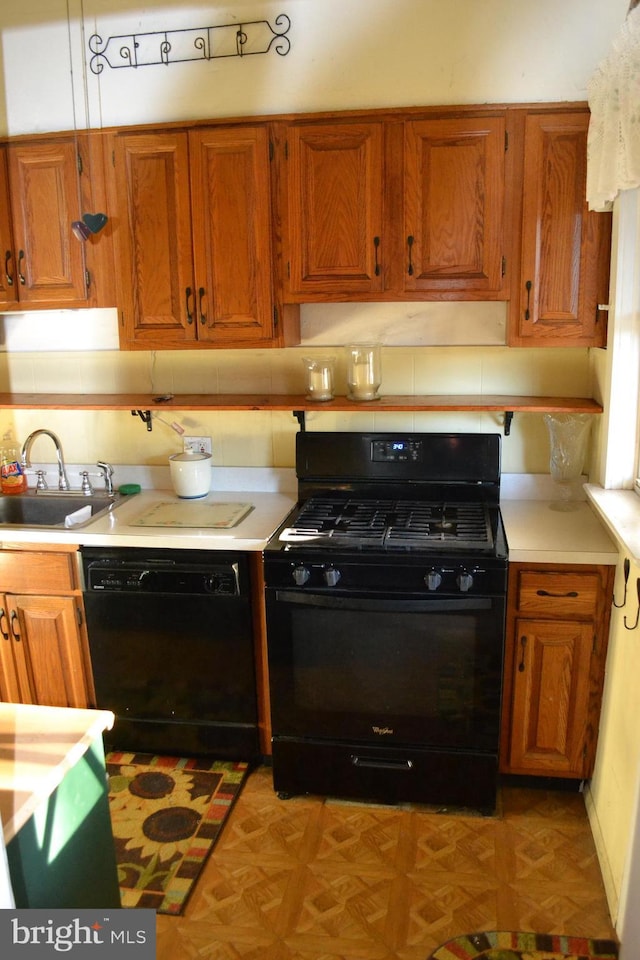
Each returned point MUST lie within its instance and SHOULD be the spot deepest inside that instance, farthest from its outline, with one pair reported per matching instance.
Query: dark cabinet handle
(3, 616)
(14, 621)
(7, 261)
(410, 246)
(376, 245)
(546, 593)
(523, 644)
(527, 312)
(201, 294)
(21, 276)
(188, 295)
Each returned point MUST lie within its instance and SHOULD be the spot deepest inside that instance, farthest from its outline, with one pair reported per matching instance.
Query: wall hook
(638, 613)
(627, 566)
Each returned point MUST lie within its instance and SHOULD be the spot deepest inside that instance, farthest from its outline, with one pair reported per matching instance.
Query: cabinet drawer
(36, 573)
(558, 594)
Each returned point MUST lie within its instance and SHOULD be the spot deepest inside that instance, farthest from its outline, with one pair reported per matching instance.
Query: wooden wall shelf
(241, 401)
(144, 404)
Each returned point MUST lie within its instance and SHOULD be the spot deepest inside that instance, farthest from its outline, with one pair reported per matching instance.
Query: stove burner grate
(394, 524)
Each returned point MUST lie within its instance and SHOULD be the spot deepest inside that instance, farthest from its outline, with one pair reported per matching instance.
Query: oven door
(386, 670)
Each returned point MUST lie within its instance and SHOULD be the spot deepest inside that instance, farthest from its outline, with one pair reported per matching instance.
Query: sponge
(128, 488)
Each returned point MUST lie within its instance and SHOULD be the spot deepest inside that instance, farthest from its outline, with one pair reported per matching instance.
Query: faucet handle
(107, 474)
(86, 483)
(41, 483)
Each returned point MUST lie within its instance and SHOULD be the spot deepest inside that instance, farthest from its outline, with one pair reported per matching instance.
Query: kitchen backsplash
(267, 438)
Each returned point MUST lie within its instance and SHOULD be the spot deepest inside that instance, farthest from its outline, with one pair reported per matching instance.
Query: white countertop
(38, 746)
(116, 529)
(539, 531)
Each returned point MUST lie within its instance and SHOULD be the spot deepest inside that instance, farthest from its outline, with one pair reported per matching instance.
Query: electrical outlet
(199, 444)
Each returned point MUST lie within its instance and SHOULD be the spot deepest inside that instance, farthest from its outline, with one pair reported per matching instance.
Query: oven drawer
(386, 775)
(558, 594)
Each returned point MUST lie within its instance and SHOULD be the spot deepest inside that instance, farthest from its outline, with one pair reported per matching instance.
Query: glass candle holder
(363, 371)
(319, 377)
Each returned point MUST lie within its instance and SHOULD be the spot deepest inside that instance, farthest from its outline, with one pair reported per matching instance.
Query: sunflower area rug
(166, 815)
(501, 945)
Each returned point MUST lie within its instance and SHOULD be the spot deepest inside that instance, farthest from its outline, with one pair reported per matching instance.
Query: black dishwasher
(171, 643)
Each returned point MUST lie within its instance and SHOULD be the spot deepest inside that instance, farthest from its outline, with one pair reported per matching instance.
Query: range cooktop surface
(389, 524)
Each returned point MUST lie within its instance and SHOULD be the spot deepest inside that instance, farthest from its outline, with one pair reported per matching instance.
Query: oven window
(432, 676)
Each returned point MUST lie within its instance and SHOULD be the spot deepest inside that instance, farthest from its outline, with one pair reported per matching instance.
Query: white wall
(362, 53)
(365, 53)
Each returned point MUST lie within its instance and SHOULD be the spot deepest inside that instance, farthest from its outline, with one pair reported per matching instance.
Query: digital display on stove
(397, 450)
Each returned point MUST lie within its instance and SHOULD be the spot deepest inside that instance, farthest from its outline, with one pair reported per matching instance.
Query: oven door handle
(391, 604)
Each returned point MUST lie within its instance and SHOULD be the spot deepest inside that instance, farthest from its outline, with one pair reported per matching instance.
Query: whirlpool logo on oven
(382, 731)
(35, 934)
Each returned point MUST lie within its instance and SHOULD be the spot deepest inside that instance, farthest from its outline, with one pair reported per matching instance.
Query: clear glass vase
(363, 371)
(320, 373)
(569, 436)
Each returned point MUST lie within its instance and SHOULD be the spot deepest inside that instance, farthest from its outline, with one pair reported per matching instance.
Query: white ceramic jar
(190, 474)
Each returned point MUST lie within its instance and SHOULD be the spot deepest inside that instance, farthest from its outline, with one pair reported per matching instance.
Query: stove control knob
(300, 576)
(331, 576)
(464, 581)
(433, 579)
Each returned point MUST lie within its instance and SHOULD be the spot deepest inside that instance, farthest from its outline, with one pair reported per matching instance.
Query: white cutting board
(193, 513)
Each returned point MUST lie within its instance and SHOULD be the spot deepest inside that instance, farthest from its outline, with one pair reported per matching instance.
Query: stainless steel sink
(50, 509)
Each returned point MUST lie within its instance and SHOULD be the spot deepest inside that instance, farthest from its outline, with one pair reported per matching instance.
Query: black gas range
(385, 595)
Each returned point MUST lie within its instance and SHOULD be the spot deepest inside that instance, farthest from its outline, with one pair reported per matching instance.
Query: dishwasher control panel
(121, 577)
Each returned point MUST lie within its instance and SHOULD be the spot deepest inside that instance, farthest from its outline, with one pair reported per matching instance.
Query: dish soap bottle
(12, 475)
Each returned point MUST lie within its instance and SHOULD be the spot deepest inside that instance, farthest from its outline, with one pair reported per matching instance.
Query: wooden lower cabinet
(43, 644)
(556, 644)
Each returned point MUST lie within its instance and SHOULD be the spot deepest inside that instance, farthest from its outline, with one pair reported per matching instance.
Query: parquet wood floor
(314, 879)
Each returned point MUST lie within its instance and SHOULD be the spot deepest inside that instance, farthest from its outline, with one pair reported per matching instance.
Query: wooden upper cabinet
(48, 263)
(454, 204)
(565, 247)
(194, 248)
(8, 279)
(334, 244)
(153, 240)
(231, 214)
(397, 209)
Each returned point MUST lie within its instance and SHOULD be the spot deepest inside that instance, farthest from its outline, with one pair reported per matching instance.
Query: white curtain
(613, 155)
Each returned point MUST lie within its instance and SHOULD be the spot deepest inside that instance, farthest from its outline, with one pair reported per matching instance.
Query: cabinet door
(335, 202)
(231, 217)
(49, 259)
(41, 658)
(550, 705)
(153, 238)
(8, 278)
(565, 247)
(454, 206)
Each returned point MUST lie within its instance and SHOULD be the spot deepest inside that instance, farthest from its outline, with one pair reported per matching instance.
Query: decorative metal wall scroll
(178, 46)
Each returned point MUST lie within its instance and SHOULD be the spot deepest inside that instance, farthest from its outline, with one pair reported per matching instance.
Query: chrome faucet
(63, 480)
